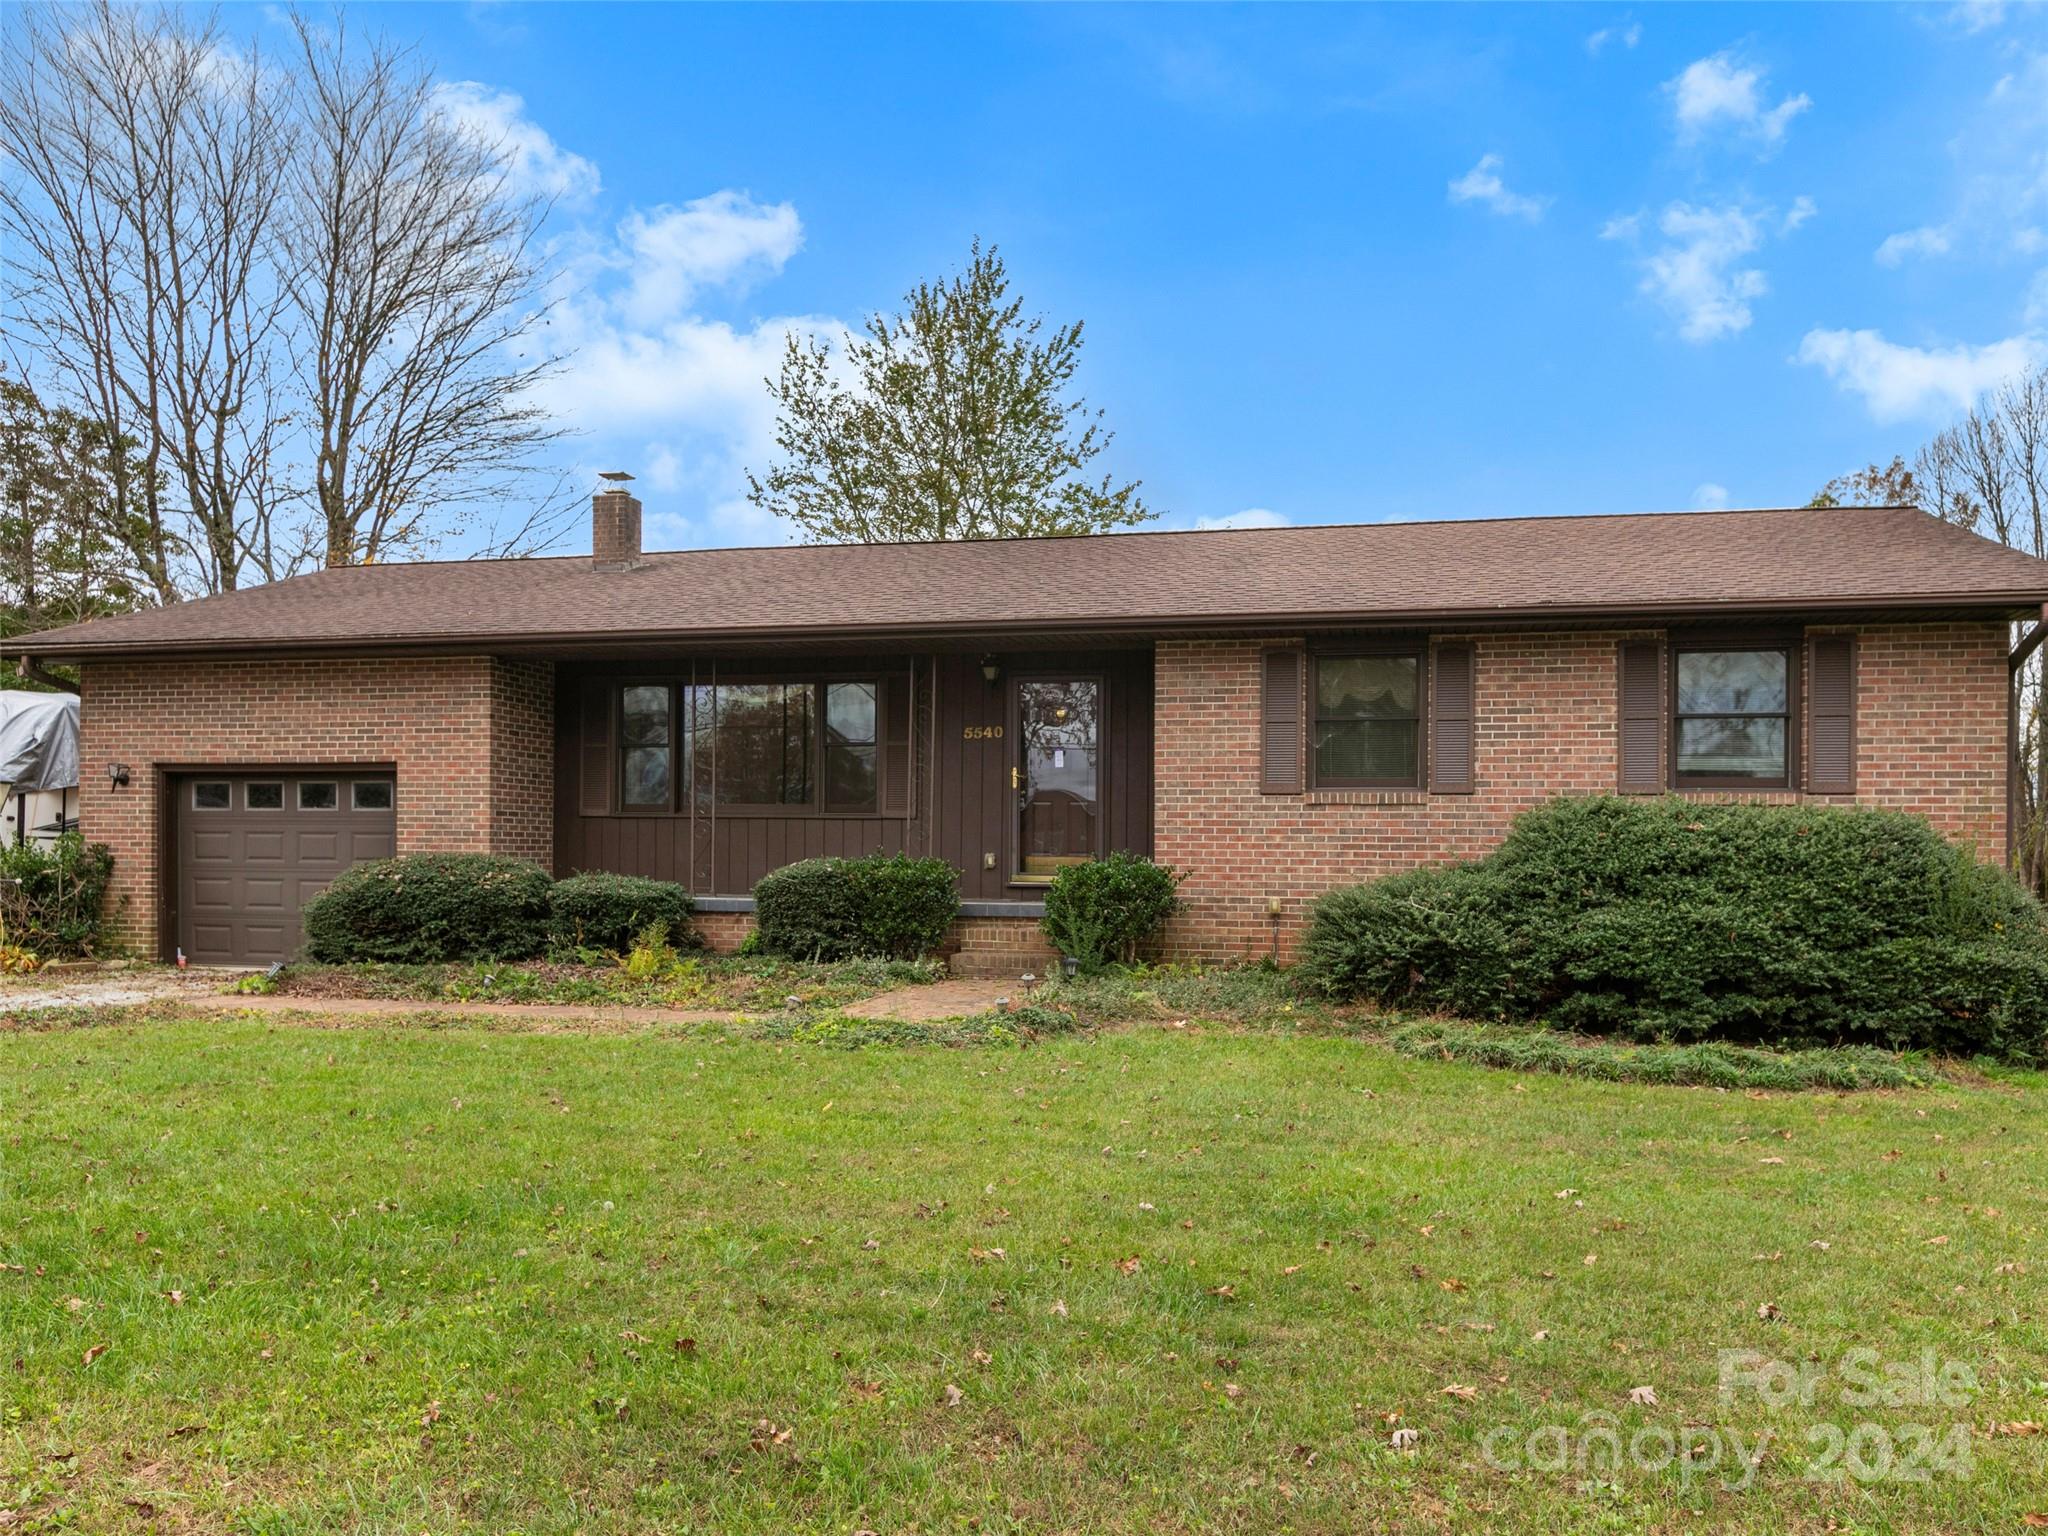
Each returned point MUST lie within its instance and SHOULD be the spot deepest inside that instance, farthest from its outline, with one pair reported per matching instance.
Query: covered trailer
(38, 765)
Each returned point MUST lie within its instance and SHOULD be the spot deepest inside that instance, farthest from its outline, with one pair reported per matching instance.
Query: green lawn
(278, 1278)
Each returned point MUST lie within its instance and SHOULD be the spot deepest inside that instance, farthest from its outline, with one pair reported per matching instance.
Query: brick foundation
(1930, 738)
(470, 739)
(976, 946)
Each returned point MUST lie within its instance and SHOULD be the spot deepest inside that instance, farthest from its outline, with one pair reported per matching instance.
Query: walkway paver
(957, 999)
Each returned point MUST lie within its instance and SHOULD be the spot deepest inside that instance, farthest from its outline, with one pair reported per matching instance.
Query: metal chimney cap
(618, 477)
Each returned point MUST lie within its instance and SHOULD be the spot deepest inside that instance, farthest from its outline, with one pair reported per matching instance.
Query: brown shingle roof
(1442, 572)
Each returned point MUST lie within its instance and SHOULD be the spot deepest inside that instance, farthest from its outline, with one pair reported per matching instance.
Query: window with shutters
(787, 746)
(1367, 722)
(1732, 713)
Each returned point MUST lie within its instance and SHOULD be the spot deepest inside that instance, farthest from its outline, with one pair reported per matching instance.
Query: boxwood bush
(1666, 919)
(836, 909)
(600, 911)
(1102, 911)
(430, 907)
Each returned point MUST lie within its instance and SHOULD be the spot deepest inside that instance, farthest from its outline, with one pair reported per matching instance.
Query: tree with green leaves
(74, 532)
(951, 420)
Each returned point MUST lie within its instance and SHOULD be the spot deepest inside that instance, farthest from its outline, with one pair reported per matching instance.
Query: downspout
(2015, 762)
(34, 671)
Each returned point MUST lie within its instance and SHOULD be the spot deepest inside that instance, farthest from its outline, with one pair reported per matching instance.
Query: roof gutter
(35, 672)
(2005, 604)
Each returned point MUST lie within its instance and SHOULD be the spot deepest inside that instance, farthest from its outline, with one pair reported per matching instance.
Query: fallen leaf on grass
(1058, 1308)
(1772, 1162)
(1291, 1269)
(1590, 1260)
(1227, 1292)
(1404, 1439)
(1232, 1390)
(1647, 1396)
(1131, 1265)
(954, 1396)
(1769, 1312)
(95, 1352)
(981, 1357)
(1461, 1393)
(1541, 1334)
(1452, 1284)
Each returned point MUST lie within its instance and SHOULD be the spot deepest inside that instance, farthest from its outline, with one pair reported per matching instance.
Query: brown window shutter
(895, 744)
(596, 766)
(1831, 715)
(1281, 707)
(1450, 719)
(1642, 717)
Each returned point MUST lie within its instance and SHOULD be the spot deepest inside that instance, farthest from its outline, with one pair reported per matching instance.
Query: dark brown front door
(1058, 773)
(253, 849)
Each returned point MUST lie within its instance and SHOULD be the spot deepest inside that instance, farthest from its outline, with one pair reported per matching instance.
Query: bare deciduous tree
(306, 295)
(411, 272)
(148, 172)
(1988, 472)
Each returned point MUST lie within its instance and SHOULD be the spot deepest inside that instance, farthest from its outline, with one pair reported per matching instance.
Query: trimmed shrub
(1103, 910)
(1670, 920)
(610, 912)
(55, 905)
(426, 908)
(904, 906)
(836, 909)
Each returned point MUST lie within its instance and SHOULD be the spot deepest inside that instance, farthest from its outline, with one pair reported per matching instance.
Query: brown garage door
(253, 849)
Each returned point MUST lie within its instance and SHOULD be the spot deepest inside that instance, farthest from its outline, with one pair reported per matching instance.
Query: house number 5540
(981, 733)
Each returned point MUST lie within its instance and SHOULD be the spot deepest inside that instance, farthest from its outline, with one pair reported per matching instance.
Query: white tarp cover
(38, 739)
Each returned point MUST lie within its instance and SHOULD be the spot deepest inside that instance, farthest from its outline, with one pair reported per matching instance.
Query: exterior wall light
(991, 670)
(117, 775)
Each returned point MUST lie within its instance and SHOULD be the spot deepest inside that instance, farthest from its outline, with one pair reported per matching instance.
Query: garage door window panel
(318, 795)
(212, 795)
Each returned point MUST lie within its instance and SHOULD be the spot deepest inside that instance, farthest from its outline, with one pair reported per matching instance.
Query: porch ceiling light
(991, 670)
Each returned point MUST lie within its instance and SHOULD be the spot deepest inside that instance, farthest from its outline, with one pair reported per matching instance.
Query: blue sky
(1335, 264)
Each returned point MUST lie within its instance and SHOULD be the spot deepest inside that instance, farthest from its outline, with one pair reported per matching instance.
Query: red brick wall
(470, 738)
(1930, 738)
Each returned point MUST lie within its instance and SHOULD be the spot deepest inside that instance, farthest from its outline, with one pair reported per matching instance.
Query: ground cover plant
(753, 984)
(1670, 920)
(317, 1276)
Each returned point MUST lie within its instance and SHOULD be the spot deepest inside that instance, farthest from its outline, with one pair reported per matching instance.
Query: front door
(1057, 775)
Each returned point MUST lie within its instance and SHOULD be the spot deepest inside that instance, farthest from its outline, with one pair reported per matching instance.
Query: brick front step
(1002, 962)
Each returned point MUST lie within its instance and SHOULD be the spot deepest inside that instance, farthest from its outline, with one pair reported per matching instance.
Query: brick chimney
(615, 526)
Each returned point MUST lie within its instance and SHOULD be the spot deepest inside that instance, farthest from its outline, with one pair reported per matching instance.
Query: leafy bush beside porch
(1666, 919)
(428, 907)
(888, 905)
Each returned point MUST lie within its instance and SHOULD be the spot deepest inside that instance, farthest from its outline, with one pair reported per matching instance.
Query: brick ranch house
(1274, 712)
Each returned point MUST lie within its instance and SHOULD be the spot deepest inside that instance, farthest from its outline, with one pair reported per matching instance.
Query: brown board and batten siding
(945, 753)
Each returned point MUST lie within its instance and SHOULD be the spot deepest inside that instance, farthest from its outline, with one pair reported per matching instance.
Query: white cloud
(2030, 241)
(672, 254)
(1802, 209)
(1483, 184)
(1721, 91)
(1250, 517)
(1973, 16)
(1709, 496)
(1928, 240)
(534, 161)
(2036, 315)
(1698, 274)
(1623, 226)
(1627, 34)
(1901, 382)
(655, 386)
